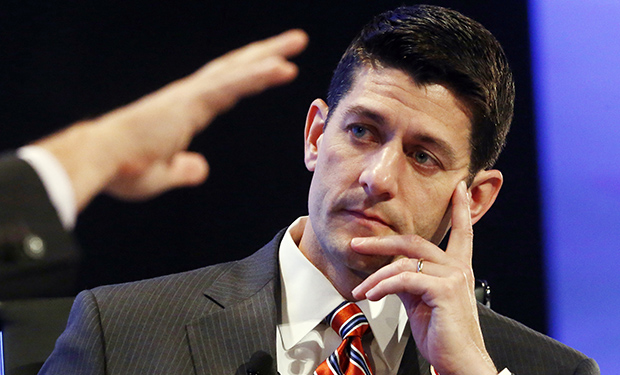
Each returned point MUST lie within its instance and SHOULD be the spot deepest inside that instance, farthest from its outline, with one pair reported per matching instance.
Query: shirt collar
(304, 308)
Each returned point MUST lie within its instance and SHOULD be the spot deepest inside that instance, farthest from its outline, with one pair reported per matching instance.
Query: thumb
(186, 169)
(182, 170)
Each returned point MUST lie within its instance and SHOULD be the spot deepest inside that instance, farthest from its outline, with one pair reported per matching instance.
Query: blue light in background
(1, 354)
(576, 68)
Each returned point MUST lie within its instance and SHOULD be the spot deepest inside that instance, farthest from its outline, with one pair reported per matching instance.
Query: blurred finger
(187, 169)
(288, 44)
(184, 169)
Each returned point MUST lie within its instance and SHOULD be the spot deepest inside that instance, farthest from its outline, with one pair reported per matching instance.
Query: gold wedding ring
(420, 265)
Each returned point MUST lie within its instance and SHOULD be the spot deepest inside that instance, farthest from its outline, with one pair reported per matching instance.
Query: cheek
(337, 167)
(325, 183)
(442, 228)
(427, 207)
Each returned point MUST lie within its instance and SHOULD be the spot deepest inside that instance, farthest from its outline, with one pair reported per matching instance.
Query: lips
(368, 218)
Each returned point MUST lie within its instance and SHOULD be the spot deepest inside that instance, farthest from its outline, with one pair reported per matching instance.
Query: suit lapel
(224, 342)
(413, 363)
(242, 318)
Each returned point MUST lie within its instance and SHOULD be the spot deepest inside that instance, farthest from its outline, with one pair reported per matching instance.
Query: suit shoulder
(525, 351)
(237, 277)
(178, 284)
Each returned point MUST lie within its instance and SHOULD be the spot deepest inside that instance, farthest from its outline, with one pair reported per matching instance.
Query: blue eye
(421, 157)
(424, 158)
(359, 131)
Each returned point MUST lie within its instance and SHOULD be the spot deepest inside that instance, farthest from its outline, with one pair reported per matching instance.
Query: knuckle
(458, 279)
(411, 243)
(402, 263)
(402, 279)
(414, 239)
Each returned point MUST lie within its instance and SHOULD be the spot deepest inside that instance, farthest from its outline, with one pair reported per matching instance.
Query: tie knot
(348, 320)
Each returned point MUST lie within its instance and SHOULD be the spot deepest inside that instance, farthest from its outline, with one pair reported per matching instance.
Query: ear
(484, 190)
(315, 124)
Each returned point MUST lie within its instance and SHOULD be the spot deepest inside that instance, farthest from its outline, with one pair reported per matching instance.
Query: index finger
(242, 72)
(286, 44)
(460, 244)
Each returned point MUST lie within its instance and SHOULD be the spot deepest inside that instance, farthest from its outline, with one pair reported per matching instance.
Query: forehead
(391, 98)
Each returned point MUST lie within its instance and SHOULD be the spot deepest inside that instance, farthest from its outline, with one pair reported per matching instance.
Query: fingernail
(467, 192)
(357, 241)
(370, 295)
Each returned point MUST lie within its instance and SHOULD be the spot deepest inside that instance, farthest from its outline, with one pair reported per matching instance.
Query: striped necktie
(349, 359)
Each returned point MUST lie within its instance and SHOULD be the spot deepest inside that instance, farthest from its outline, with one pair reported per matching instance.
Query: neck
(341, 277)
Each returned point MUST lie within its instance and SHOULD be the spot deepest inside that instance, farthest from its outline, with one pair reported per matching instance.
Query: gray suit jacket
(212, 320)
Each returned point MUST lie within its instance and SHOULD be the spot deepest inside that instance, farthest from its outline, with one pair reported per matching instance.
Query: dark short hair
(438, 45)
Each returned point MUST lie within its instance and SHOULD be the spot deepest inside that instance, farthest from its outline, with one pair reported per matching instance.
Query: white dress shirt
(304, 340)
(55, 180)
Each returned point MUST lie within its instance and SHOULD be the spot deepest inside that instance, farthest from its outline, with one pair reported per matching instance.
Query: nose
(380, 175)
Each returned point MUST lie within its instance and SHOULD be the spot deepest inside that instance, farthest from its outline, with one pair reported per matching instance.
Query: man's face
(386, 164)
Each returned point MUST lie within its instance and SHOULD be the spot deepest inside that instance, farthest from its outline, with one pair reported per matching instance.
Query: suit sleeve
(588, 367)
(80, 349)
(38, 258)
(524, 351)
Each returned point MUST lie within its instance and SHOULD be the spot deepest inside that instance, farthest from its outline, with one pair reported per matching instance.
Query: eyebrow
(362, 111)
(443, 146)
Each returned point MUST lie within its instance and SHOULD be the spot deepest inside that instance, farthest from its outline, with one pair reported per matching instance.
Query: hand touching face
(385, 164)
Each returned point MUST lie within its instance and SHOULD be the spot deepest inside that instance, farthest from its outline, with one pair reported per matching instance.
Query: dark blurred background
(67, 60)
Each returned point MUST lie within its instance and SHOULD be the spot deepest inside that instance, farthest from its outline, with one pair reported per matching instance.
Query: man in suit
(416, 115)
(135, 152)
